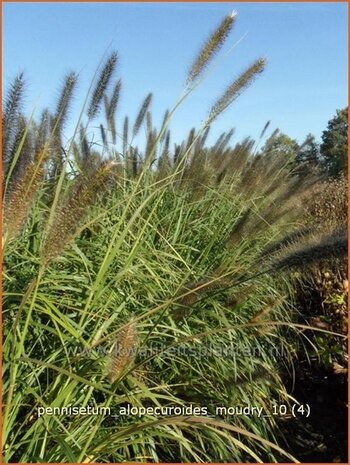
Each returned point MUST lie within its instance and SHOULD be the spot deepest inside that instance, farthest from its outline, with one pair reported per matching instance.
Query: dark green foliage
(334, 147)
(281, 144)
(308, 156)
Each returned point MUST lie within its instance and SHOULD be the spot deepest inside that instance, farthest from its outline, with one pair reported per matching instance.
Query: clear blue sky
(305, 43)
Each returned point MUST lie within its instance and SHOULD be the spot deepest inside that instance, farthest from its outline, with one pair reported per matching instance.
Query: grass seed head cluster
(167, 261)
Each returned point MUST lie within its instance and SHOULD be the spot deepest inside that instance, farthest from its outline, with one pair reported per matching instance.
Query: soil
(323, 436)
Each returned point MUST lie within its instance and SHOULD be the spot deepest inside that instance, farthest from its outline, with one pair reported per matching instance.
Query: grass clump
(147, 277)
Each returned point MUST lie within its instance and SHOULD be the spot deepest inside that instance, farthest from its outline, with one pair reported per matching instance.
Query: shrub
(322, 292)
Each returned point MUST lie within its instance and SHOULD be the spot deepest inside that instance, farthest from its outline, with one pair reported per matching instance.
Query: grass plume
(330, 247)
(101, 85)
(113, 103)
(11, 110)
(23, 145)
(123, 352)
(141, 114)
(235, 89)
(211, 47)
(82, 195)
(103, 136)
(59, 118)
(21, 196)
(64, 101)
(111, 108)
(125, 135)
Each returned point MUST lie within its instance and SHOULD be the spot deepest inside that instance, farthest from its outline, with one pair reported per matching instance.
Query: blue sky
(305, 44)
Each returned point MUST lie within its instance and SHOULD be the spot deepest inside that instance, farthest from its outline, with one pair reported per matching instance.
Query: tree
(334, 147)
(281, 144)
